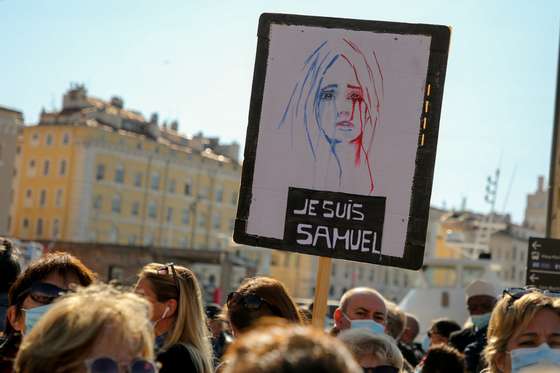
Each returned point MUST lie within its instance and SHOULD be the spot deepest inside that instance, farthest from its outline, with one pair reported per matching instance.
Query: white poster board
(340, 118)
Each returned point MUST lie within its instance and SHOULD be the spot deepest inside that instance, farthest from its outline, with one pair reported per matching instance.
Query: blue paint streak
(287, 107)
(314, 53)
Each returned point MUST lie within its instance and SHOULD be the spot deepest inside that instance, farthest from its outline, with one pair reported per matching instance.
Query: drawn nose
(343, 114)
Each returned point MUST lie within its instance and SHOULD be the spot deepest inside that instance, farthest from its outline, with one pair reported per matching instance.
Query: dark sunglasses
(381, 369)
(169, 269)
(518, 293)
(43, 293)
(251, 302)
(109, 365)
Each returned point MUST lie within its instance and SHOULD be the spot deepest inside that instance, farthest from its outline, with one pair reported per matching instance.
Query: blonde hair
(62, 338)
(281, 346)
(510, 315)
(190, 320)
(363, 342)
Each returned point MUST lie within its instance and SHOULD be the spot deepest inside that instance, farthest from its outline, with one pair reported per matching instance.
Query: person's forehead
(340, 70)
(369, 301)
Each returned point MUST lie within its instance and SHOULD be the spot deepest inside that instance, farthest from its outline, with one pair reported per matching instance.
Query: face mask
(426, 342)
(480, 321)
(369, 324)
(32, 315)
(542, 355)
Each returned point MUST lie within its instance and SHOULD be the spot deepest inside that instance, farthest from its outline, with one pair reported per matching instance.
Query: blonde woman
(95, 329)
(524, 332)
(182, 337)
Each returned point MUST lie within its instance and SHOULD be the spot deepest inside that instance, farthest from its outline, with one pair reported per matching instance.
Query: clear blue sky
(193, 61)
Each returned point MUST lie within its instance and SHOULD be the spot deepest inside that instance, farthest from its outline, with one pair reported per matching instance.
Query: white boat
(440, 290)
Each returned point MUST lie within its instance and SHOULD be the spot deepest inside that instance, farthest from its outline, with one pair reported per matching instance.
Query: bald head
(360, 304)
(411, 330)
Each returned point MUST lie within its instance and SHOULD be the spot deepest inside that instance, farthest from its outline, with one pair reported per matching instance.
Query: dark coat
(473, 352)
(462, 338)
(177, 359)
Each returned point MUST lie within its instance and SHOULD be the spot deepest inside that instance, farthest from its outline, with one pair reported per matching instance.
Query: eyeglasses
(251, 302)
(43, 293)
(518, 293)
(381, 369)
(167, 269)
(109, 365)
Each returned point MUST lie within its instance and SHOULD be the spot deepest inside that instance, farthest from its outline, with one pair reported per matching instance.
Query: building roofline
(12, 110)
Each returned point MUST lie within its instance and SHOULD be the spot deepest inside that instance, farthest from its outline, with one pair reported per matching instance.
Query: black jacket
(177, 359)
(462, 338)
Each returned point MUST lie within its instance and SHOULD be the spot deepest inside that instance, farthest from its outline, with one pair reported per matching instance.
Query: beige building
(97, 172)
(509, 249)
(11, 122)
(536, 209)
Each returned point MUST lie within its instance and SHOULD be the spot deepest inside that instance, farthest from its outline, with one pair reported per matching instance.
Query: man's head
(360, 304)
(9, 264)
(411, 330)
(396, 320)
(481, 297)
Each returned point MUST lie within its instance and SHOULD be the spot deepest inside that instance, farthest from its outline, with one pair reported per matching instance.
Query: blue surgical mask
(32, 315)
(426, 342)
(481, 321)
(368, 324)
(526, 357)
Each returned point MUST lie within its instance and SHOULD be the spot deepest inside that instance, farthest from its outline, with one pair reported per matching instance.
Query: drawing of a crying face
(340, 103)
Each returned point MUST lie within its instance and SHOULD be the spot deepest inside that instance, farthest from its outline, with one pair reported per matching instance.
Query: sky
(193, 61)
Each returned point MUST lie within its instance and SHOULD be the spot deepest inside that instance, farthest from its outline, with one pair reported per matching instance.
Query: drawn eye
(326, 95)
(355, 97)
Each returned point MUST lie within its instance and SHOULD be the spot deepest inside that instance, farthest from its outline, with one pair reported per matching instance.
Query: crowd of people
(58, 317)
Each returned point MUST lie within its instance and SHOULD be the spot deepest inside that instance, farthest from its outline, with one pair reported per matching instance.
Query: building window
(188, 189)
(135, 209)
(31, 169)
(152, 210)
(185, 216)
(28, 198)
(56, 229)
(201, 220)
(217, 221)
(155, 181)
(35, 139)
(49, 139)
(100, 173)
(116, 205)
(58, 198)
(25, 224)
(172, 185)
(219, 195)
(43, 198)
(39, 230)
(46, 166)
(97, 202)
(138, 179)
(132, 239)
(65, 138)
(119, 174)
(169, 216)
(114, 234)
(62, 169)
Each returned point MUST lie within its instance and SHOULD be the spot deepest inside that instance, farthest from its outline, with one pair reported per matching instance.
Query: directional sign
(543, 263)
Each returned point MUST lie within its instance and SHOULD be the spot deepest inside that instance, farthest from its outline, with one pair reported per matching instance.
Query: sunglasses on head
(381, 369)
(169, 269)
(251, 302)
(109, 365)
(43, 293)
(518, 293)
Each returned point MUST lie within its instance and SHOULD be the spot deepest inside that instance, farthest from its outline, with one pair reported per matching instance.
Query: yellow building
(95, 172)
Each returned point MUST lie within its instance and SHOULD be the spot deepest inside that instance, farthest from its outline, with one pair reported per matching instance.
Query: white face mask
(543, 355)
(368, 324)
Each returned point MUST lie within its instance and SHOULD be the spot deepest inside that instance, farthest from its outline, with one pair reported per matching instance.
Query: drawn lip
(345, 124)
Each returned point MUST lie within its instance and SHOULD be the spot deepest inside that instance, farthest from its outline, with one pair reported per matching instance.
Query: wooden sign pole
(321, 292)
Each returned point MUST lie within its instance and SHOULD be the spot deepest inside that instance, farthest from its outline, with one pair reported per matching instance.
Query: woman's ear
(172, 305)
(17, 321)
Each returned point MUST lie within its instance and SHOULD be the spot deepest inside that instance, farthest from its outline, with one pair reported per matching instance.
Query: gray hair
(362, 342)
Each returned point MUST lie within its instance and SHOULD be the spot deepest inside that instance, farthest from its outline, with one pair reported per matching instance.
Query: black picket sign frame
(428, 135)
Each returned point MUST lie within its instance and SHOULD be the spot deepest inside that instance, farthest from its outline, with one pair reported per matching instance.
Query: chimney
(117, 102)
(175, 126)
(540, 186)
(154, 118)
